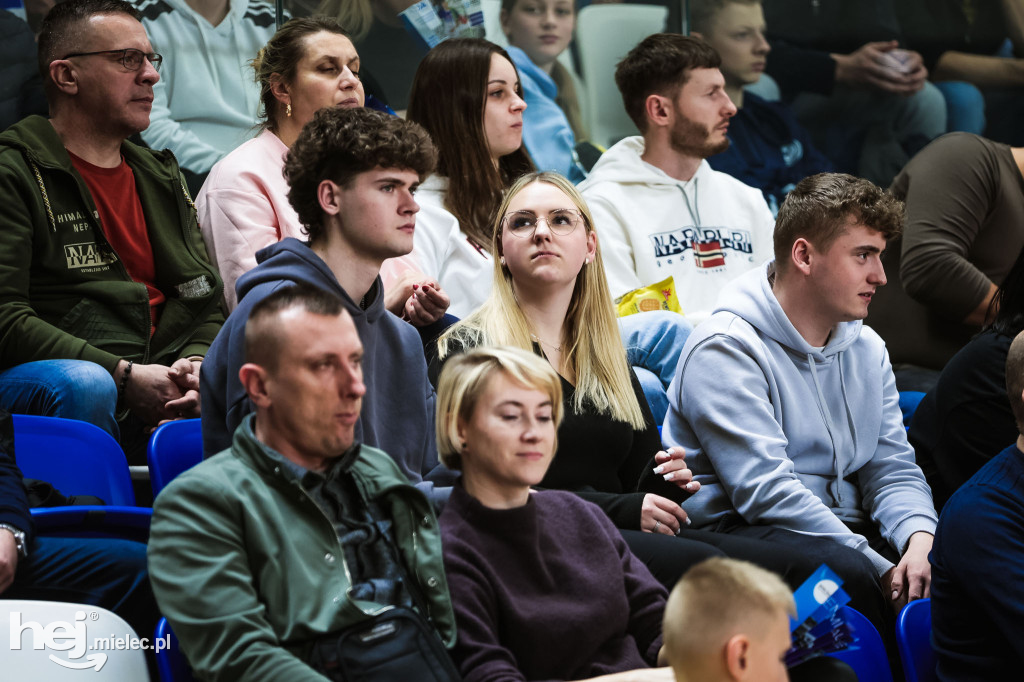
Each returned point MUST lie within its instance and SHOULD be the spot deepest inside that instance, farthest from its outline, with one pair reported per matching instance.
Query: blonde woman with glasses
(550, 297)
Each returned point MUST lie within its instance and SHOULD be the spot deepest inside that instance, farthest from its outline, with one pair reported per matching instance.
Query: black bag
(396, 645)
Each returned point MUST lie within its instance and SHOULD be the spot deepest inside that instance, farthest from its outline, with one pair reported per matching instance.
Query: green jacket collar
(36, 138)
(375, 479)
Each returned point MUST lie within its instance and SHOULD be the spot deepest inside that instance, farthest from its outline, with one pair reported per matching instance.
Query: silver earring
(502, 259)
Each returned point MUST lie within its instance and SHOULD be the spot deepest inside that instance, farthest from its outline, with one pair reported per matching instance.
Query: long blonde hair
(593, 346)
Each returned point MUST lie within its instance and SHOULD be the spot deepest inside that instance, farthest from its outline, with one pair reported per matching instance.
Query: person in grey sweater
(787, 405)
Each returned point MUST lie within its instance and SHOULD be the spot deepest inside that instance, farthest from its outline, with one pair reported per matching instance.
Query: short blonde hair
(466, 376)
(713, 600)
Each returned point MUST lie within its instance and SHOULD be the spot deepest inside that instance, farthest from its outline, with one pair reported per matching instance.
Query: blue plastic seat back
(173, 448)
(867, 658)
(913, 636)
(170, 662)
(77, 458)
(909, 400)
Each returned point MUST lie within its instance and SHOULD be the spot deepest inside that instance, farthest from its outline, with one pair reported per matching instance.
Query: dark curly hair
(339, 144)
(821, 206)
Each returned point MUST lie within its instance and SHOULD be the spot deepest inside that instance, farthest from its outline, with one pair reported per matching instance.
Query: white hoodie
(443, 251)
(704, 232)
(786, 434)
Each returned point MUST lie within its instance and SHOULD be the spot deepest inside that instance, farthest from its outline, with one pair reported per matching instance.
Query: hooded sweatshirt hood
(788, 434)
(752, 299)
(291, 261)
(704, 232)
(394, 368)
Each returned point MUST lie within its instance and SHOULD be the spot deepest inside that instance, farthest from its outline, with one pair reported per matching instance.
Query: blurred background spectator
(965, 228)
(973, 45)
(21, 88)
(865, 100)
(382, 41)
(206, 100)
(538, 32)
(769, 148)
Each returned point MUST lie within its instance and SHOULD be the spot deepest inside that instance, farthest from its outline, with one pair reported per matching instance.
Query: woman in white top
(468, 96)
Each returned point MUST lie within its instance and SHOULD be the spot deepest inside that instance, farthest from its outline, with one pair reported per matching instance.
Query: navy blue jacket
(978, 576)
(398, 408)
(769, 150)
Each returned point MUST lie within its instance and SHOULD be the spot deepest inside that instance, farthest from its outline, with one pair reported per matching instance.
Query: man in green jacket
(297, 530)
(107, 299)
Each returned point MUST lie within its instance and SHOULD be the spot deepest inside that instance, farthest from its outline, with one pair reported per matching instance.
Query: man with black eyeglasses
(107, 300)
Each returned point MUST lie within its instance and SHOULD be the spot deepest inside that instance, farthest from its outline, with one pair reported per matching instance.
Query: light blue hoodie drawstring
(835, 487)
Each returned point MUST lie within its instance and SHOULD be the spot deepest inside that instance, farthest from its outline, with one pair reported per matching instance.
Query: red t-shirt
(124, 223)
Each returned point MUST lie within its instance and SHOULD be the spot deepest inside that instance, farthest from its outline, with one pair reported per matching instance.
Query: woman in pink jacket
(243, 207)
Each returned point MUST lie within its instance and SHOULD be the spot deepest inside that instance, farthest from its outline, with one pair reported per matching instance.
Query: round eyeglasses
(129, 57)
(561, 221)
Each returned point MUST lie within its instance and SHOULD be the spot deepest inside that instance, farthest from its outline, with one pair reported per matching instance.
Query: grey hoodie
(790, 435)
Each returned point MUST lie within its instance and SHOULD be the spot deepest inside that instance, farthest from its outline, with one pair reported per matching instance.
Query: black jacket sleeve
(13, 500)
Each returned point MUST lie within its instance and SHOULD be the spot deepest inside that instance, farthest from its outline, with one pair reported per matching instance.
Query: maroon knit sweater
(547, 591)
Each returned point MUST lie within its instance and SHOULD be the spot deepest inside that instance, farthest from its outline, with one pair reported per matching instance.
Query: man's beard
(691, 138)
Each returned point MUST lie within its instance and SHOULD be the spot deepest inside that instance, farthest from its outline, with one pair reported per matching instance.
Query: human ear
(63, 75)
(658, 110)
(591, 246)
(503, 20)
(328, 198)
(801, 255)
(460, 431)
(279, 89)
(254, 380)
(737, 652)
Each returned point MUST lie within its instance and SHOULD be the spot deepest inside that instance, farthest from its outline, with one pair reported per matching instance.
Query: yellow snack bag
(659, 296)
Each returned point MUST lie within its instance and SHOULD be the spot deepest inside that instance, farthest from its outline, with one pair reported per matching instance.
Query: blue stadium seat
(171, 664)
(867, 657)
(173, 448)
(76, 457)
(913, 636)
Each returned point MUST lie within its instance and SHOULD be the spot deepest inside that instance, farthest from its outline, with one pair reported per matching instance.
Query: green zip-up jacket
(248, 569)
(64, 293)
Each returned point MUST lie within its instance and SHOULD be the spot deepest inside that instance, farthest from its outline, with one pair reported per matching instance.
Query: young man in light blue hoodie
(786, 404)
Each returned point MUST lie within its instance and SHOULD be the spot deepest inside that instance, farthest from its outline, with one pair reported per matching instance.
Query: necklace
(557, 349)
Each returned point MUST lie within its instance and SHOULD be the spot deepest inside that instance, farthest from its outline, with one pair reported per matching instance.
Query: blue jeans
(965, 107)
(105, 572)
(71, 389)
(653, 342)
